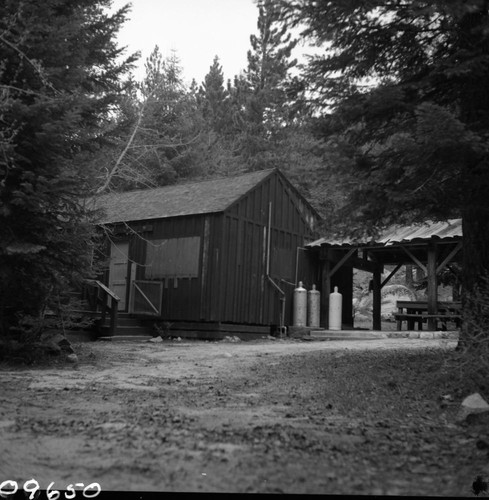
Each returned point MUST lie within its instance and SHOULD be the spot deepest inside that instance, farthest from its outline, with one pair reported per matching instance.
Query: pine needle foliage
(60, 75)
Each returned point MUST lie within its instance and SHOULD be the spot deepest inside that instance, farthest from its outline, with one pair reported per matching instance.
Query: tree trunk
(475, 267)
(474, 182)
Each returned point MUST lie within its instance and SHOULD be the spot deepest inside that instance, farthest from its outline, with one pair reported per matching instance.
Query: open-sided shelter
(225, 250)
(432, 246)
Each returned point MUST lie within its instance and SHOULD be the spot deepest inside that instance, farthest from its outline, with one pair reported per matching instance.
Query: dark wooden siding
(247, 295)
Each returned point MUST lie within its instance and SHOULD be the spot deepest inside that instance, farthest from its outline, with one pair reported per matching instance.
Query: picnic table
(416, 312)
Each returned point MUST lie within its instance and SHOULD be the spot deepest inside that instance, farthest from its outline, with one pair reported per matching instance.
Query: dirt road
(226, 417)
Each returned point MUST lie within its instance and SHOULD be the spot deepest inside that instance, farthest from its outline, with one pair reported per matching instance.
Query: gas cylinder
(335, 303)
(313, 301)
(300, 306)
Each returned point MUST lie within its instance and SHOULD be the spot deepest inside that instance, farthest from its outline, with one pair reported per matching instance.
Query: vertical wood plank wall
(246, 294)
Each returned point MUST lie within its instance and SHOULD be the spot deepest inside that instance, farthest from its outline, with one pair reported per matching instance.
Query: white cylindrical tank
(313, 307)
(300, 306)
(335, 304)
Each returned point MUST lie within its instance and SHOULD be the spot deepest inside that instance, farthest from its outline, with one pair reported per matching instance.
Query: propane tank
(300, 306)
(313, 301)
(335, 303)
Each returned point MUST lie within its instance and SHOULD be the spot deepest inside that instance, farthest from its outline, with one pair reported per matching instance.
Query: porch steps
(84, 312)
(126, 338)
(128, 327)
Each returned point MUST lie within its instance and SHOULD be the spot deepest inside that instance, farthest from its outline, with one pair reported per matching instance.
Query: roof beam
(415, 259)
(390, 275)
(449, 257)
(342, 261)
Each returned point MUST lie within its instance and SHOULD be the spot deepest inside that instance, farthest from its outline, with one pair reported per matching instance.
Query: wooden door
(119, 259)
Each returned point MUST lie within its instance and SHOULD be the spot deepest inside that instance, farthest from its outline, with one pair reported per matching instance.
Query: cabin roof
(208, 196)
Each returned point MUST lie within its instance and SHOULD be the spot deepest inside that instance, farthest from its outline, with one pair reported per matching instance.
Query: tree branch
(37, 66)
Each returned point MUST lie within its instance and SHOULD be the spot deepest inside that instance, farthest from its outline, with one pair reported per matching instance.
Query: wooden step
(121, 321)
(86, 312)
(125, 330)
(134, 330)
(125, 338)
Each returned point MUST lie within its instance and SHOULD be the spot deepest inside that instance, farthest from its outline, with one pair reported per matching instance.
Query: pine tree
(59, 79)
(260, 96)
(269, 64)
(163, 129)
(214, 99)
(217, 144)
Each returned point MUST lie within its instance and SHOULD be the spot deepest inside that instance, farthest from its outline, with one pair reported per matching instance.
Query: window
(173, 258)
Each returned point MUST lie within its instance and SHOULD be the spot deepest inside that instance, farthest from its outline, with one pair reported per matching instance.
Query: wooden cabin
(226, 250)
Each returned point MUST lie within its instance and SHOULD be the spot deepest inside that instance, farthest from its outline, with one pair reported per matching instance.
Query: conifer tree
(260, 95)
(165, 127)
(217, 144)
(59, 79)
(214, 99)
(269, 64)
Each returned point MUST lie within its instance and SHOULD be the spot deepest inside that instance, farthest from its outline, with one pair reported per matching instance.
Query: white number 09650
(31, 486)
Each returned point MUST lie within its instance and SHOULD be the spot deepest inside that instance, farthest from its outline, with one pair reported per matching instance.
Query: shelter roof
(447, 230)
(208, 196)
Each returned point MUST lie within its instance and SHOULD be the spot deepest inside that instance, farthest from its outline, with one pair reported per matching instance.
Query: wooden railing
(105, 301)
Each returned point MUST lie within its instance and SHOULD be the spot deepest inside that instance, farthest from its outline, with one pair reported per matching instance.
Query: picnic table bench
(416, 312)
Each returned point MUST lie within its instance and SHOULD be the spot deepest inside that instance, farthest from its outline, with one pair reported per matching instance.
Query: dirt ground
(282, 416)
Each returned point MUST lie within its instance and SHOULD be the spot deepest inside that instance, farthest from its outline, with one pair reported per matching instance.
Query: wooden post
(399, 321)
(325, 291)
(103, 302)
(113, 315)
(432, 290)
(376, 299)
(409, 276)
